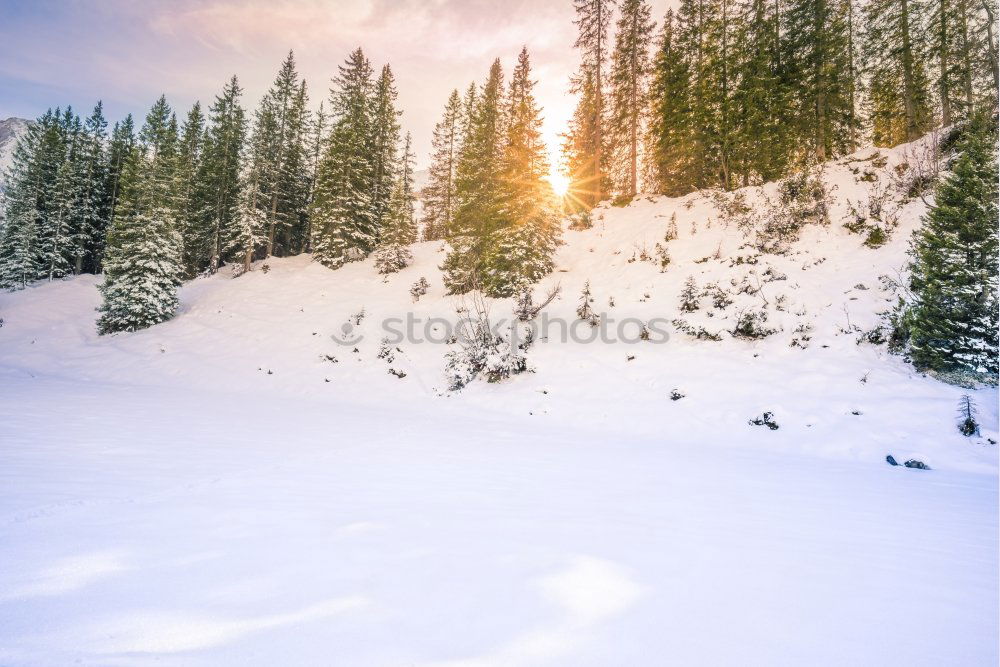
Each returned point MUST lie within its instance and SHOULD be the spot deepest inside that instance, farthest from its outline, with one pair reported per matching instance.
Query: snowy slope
(237, 486)
(11, 129)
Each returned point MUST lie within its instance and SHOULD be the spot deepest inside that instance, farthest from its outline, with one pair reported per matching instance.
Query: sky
(128, 52)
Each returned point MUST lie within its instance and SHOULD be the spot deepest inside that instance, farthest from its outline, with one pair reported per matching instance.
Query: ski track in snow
(164, 499)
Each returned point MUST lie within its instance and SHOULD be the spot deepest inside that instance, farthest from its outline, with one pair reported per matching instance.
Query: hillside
(310, 493)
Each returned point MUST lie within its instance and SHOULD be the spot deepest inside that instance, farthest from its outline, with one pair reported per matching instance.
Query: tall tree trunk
(599, 112)
(943, 62)
(909, 85)
(819, 74)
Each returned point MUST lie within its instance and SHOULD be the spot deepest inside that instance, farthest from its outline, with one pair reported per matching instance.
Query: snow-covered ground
(218, 490)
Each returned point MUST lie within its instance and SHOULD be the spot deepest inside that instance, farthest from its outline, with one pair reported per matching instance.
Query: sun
(559, 182)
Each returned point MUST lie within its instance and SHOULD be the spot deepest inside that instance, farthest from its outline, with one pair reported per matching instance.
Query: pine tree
(580, 147)
(480, 210)
(519, 252)
(142, 271)
(143, 263)
(589, 170)
(92, 196)
(439, 197)
(817, 54)
(345, 225)
(400, 230)
(762, 141)
(629, 73)
(385, 145)
(670, 131)
(401, 224)
(187, 208)
(952, 323)
(317, 129)
(121, 149)
(893, 54)
(19, 262)
(277, 156)
(218, 182)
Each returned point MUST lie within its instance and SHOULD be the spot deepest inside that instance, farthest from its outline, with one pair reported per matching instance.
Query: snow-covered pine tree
(952, 322)
(143, 263)
(384, 145)
(480, 210)
(93, 209)
(218, 183)
(344, 226)
(584, 311)
(58, 240)
(400, 229)
(19, 264)
(401, 224)
(120, 150)
(246, 232)
(519, 252)
(689, 296)
(317, 129)
(296, 177)
(628, 94)
(439, 198)
(187, 213)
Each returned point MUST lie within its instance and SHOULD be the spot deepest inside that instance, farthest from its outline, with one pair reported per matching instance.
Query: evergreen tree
(629, 72)
(385, 145)
(952, 323)
(587, 133)
(277, 156)
(345, 225)
(400, 230)
(188, 210)
(401, 224)
(439, 198)
(480, 210)
(218, 182)
(894, 56)
(93, 214)
(316, 141)
(669, 139)
(762, 141)
(121, 149)
(817, 53)
(19, 261)
(143, 263)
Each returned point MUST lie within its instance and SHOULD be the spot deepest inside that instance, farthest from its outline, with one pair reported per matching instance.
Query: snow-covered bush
(482, 354)
(698, 333)
(750, 325)
(689, 296)
(767, 419)
(803, 199)
(967, 424)
(419, 288)
(580, 221)
(392, 257)
(584, 311)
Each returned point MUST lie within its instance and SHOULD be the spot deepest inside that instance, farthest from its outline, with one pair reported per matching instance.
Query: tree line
(173, 199)
(740, 92)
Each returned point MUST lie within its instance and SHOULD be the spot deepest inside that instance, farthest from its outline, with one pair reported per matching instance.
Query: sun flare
(559, 182)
